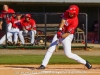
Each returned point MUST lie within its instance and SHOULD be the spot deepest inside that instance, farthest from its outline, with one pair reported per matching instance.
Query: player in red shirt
(29, 28)
(16, 27)
(8, 18)
(65, 35)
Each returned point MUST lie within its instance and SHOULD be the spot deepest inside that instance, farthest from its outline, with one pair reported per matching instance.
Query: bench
(47, 32)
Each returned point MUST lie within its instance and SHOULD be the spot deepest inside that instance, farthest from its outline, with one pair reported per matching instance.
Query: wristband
(60, 28)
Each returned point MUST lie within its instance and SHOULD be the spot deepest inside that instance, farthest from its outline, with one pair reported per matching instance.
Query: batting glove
(59, 34)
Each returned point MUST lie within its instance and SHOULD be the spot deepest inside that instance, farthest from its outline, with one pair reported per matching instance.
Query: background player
(29, 28)
(8, 17)
(67, 27)
(16, 27)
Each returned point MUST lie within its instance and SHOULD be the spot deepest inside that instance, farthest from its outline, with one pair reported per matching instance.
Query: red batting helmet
(28, 15)
(74, 9)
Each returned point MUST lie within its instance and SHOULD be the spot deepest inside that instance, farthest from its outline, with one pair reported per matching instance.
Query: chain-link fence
(47, 26)
(81, 30)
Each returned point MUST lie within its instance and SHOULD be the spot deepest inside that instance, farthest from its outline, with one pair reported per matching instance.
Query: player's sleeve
(34, 24)
(14, 26)
(12, 11)
(64, 15)
(72, 27)
(22, 24)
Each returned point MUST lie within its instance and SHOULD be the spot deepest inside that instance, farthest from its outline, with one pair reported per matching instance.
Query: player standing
(8, 17)
(65, 35)
(29, 28)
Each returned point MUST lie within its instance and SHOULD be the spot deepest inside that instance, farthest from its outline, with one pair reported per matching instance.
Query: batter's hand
(59, 34)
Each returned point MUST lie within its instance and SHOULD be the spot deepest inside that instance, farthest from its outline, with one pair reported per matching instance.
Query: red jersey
(70, 23)
(17, 24)
(29, 25)
(7, 17)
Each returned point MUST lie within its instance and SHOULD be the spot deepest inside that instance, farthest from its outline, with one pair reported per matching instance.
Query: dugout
(90, 9)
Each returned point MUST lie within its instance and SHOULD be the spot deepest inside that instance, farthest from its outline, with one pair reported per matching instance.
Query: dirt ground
(50, 70)
(93, 52)
(78, 69)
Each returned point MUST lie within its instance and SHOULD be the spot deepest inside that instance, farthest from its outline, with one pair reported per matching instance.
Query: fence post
(86, 31)
(45, 21)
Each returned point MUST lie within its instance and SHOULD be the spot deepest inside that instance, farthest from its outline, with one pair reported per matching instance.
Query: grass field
(37, 59)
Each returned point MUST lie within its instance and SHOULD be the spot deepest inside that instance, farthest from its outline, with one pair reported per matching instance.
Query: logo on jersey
(18, 23)
(66, 23)
(29, 26)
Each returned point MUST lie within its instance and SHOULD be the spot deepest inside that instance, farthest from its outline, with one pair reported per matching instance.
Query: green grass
(37, 59)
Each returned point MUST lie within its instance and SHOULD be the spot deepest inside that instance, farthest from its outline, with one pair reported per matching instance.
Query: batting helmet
(28, 15)
(74, 9)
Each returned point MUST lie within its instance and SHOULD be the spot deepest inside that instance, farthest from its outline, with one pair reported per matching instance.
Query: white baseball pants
(67, 50)
(9, 35)
(4, 37)
(14, 32)
(9, 26)
(25, 33)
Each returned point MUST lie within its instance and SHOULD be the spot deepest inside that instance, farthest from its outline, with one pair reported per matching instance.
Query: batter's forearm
(65, 35)
(61, 24)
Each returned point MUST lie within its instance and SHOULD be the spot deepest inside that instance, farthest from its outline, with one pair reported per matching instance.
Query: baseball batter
(65, 35)
(29, 28)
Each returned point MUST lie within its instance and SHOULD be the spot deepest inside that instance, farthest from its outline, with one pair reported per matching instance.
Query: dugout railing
(47, 26)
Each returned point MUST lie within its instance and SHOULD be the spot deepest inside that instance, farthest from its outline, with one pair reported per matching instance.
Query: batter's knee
(51, 50)
(69, 55)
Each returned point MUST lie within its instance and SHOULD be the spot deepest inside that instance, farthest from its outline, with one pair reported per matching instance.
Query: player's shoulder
(32, 20)
(65, 15)
(23, 19)
(75, 20)
(11, 10)
(13, 19)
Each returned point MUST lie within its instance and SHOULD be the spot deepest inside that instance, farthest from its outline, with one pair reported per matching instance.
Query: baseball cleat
(18, 44)
(88, 65)
(42, 67)
(9, 43)
(14, 43)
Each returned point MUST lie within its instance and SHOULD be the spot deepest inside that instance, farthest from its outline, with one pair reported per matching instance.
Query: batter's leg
(49, 52)
(67, 49)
